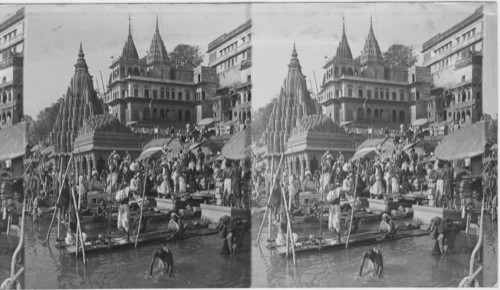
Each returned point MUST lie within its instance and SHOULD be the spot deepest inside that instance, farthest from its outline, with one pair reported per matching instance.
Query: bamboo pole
(142, 203)
(77, 212)
(269, 200)
(57, 201)
(20, 245)
(78, 229)
(270, 218)
(322, 188)
(289, 228)
(479, 241)
(352, 208)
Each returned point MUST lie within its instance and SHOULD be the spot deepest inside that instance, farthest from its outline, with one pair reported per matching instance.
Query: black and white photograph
(248, 145)
(374, 144)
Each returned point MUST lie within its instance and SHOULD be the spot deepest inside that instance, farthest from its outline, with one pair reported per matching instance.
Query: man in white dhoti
(333, 199)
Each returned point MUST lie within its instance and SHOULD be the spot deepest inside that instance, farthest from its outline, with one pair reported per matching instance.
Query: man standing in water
(123, 209)
(443, 232)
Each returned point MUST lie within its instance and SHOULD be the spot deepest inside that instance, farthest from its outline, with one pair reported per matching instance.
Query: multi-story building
(366, 93)
(454, 58)
(11, 68)
(231, 57)
(150, 92)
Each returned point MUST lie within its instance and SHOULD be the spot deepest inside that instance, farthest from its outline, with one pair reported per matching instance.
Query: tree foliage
(491, 129)
(260, 119)
(400, 56)
(186, 55)
(40, 129)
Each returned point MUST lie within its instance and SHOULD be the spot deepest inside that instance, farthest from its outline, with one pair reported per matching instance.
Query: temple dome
(157, 51)
(371, 50)
(343, 50)
(129, 51)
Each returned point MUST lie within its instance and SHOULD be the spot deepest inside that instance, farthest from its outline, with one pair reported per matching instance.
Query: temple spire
(129, 26)
(343, 25)
(157, 29)
(371, 24)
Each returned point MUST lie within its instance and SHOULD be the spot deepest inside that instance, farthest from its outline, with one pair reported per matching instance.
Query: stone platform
(426, 213)
(214, 212)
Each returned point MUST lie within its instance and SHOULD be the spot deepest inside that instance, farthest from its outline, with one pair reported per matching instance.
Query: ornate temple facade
(150, 92)
(99, 136)
(79, 103)
(84, 129)
(298, 129)
(11, 69)
(366, 93)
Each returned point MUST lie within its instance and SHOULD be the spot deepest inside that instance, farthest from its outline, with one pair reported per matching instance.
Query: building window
(337, 93)
(167, 94)
(123, 93)
(375, 114)
(187, 116)
(401, 96)
(179, 115)
(369, 94)
(155, 94)
(146, 93)
(187, 96)
(136, 92)
(394, 116)
(376, 93)
(349, 92)
(162, 93)
(394, 96)
(418, 96)
(203, 96)
(463, 79)
(386, 95)
(360, 93)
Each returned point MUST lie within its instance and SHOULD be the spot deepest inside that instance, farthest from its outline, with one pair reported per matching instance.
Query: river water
(407, 263)
(8, 245)
(197, 263)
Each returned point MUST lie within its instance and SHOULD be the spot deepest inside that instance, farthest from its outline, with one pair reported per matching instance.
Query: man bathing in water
(375, 257)
(165, 261)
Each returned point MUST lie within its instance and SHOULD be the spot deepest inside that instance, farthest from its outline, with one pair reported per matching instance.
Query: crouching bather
(375, 257)
(177, 226)
(165, 261)
(388, 228)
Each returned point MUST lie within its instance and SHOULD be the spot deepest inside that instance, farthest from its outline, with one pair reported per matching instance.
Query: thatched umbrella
(206, 122)
(468, 142)
(239, 146)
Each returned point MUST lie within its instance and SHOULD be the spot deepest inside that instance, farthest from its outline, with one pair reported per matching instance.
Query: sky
(316, 30)
(54, 33)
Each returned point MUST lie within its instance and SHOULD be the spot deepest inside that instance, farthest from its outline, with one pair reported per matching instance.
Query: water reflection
(407, 263)
(197, 263)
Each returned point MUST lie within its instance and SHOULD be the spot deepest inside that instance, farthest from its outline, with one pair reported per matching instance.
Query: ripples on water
(197, 263)
(407, 263)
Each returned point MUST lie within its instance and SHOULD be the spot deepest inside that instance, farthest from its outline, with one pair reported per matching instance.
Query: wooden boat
(305, 245)
(157, 236)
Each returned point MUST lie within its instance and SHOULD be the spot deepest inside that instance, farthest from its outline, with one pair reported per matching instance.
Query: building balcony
(6, 84)
(11, 42)
(246, 64)
(230, 54)
(454, 48)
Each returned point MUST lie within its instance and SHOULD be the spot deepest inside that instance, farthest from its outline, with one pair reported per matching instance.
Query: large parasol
(367, 152)
(151, 152)
(420, 122)
(468, 142)
(239, 146)
(206, 122)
